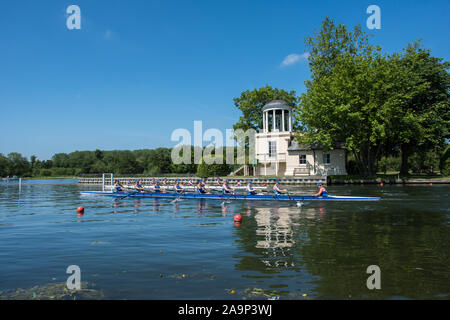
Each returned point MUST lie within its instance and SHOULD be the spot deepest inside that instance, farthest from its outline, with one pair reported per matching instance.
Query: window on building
(272, 149)
(326, 158)
(303, 159)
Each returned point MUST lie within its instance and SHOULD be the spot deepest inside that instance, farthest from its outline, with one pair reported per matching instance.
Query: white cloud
(294, 58)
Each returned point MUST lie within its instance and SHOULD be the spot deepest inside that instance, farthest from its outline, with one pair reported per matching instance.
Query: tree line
(120, 162)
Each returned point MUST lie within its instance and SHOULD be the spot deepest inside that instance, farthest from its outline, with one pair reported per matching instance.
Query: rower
(178, 188)
(219, 182)
(138, 187)
(117, 186)
(322, 191)
(238, 183)
(250, 189)
(226, 188)
(200, 187)
(157, 187)
(276, 188)
(190, 182)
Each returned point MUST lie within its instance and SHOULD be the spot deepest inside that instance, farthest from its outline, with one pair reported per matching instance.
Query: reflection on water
(192, 249)
(276, 234)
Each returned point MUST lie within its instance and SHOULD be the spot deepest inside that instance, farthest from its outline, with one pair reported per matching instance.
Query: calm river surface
(156, 249)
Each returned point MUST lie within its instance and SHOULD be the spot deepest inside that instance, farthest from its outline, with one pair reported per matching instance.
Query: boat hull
(264, 197)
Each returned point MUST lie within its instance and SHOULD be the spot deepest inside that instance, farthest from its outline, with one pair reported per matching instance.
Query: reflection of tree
(410, 248)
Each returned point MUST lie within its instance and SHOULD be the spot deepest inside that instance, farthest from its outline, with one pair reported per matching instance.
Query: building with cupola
(277, 153)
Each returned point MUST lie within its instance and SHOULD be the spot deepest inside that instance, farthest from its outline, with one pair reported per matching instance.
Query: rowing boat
(225, 196)
(213, 188)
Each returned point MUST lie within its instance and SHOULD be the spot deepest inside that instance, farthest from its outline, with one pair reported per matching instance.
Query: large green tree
(369, 100)
(419, 105)
(343, 97)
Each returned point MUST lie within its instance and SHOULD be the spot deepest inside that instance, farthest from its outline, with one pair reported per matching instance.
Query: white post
(290, 121)
(20, 184)
(103, 182)
(264, 122)
(273, 121)
(282, 120)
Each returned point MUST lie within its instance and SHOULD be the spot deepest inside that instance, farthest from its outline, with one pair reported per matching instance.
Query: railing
(276, 157)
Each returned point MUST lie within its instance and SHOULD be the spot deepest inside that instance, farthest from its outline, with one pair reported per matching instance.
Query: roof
(295, 146)
(277, 104)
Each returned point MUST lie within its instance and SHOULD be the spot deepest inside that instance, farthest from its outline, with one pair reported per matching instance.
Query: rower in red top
(277, 190)
(322, 191)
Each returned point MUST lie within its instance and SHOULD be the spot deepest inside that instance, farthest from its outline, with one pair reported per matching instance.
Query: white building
(278, 154)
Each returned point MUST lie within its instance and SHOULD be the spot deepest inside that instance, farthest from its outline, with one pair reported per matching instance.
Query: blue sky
(137, 70)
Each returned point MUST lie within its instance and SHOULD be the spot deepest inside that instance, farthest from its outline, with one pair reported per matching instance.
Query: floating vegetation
(258, 293)
(191, 275)
(55, 291)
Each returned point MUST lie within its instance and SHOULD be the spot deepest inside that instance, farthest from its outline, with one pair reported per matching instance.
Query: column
(282, 121)
(266, 118)
(290, 121)
(273, 121)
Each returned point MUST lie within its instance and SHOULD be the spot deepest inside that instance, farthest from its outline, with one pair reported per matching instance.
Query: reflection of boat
(8, 179)
(266, 197)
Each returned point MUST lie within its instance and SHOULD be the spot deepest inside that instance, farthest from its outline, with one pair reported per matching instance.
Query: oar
(299, 203)
(177, 198)
(229, 196)
(130, 194)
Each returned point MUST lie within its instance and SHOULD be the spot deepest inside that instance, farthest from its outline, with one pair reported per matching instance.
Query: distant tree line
(146, 161)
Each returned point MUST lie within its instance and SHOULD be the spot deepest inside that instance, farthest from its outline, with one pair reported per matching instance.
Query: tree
(342, 102)
(420, 114)
(376, 104)
(19, 165)
(444, 162)
(4, 166)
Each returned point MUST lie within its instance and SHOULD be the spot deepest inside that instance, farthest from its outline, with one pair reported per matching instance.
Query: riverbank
(390, 179)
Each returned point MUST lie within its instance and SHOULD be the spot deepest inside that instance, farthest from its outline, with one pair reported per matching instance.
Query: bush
(209, 170)
(444, 163)
(45, 173)
(389, 164)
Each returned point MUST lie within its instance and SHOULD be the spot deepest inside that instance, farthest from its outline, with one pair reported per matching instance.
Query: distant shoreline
(49, 178)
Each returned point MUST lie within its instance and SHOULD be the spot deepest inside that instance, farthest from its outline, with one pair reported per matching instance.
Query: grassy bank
(390, 178)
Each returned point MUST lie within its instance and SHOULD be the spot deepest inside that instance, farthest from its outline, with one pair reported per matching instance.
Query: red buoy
(237, 218)
(381, 184)
(80, 210)
(431, 184)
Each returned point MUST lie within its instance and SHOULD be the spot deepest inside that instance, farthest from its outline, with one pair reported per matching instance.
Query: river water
(191, 249)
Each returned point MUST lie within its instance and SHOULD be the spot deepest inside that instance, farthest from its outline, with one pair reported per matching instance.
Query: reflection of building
(277, 153)
(275, 225)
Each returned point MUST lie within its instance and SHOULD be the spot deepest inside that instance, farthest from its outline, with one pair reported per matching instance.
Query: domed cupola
(277, 116)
